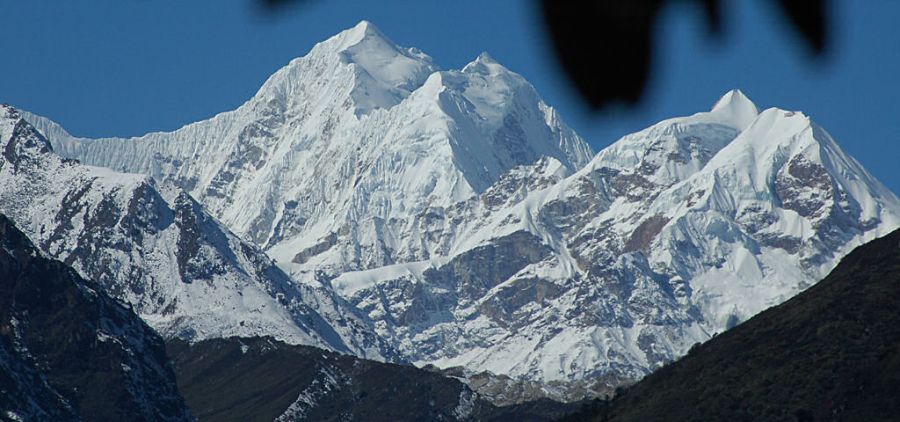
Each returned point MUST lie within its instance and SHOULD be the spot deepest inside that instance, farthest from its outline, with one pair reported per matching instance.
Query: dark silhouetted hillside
(70, 352)
(262, 379)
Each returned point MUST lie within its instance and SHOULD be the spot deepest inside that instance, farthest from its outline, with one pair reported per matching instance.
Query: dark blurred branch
(811, 19)
(606, 47)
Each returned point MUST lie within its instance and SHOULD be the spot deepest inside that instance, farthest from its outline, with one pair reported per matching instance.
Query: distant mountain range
(365, 202)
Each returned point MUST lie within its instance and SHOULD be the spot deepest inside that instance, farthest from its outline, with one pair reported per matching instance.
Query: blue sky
(127, 67)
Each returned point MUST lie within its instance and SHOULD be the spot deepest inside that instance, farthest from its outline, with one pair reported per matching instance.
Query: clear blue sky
(127, 67)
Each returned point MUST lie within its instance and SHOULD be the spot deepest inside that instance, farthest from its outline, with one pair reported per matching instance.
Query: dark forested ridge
(830, 353)
(70, 352)
(250, 379)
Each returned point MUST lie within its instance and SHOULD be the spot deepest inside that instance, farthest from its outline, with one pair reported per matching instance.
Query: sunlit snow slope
(182, 272)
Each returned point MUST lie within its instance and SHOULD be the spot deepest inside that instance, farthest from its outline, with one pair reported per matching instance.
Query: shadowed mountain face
(830, 353)
(250, 379)
(69, 352)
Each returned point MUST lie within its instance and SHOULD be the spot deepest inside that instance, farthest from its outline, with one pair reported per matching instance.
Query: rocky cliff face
(70, 352)
(159, 251)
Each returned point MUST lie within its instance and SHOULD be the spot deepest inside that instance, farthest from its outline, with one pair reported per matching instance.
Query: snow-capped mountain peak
(484, 64)
(377, 72)
(367, 47)
(734, 107)
(362, 30)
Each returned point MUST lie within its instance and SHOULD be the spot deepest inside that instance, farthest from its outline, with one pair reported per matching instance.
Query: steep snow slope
(328, 165)
(184, 274)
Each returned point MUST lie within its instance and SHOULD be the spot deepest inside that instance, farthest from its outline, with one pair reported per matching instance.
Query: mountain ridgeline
(367, 202)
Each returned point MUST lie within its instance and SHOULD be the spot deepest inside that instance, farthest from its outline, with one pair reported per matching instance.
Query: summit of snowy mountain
(377, 72)
(475, 229)
(484, 64)
(736, 108)
(362, 30)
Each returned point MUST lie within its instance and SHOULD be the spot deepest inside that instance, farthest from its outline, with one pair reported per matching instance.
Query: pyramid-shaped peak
(735, 99)
(364, 31)
(736, 108)
(485, 58)
(365, 25)
(381, 65)
(485, 64)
